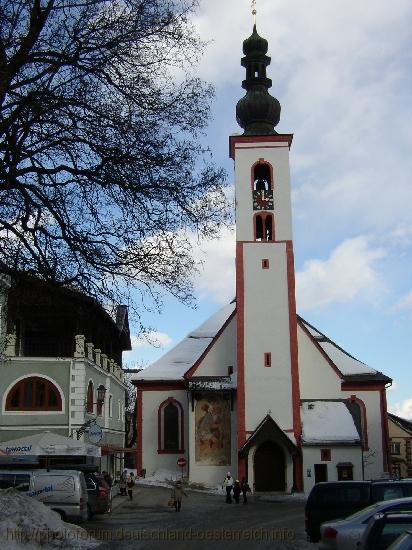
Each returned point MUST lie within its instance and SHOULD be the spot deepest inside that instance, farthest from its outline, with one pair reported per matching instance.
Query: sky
(342, 71)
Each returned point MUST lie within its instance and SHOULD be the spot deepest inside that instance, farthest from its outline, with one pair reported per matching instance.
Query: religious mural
(212, 416)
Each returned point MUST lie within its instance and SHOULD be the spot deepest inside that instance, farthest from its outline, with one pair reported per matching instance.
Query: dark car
(338, 499)
(99, 494)
(384, 528)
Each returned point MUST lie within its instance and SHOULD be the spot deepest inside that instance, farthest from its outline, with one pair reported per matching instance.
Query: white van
(64, 491)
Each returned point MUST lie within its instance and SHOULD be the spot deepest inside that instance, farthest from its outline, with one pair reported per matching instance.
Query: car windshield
(369, 510)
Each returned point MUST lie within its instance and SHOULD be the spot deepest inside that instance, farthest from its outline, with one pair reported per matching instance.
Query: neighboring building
(256, 389)
(400, 445)
(59, 347)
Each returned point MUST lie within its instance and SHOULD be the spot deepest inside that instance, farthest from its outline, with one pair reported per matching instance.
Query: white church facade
(256, 390)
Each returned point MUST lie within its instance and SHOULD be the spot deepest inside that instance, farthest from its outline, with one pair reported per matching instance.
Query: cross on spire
(254, 11)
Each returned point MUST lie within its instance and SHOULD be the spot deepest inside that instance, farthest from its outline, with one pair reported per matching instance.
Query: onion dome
(255, 43)
(257, 112)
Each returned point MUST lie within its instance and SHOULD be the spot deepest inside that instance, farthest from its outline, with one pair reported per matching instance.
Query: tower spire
(257, 112)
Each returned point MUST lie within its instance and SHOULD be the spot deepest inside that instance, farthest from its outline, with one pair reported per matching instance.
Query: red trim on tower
(293, 339)
(275, 138)
(298, 473)
(139, 431)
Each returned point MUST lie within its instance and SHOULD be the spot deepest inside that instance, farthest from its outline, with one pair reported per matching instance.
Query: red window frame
(49, 389)
(160, 425)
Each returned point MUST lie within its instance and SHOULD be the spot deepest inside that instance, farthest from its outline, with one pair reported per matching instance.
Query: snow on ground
(166, 478)
(29, 524)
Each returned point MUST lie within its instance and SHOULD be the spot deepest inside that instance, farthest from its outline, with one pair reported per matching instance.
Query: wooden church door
(269, 466)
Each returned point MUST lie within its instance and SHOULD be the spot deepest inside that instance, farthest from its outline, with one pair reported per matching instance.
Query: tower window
(265, 264)
(262, 176)
(268, 359)
(264, 227)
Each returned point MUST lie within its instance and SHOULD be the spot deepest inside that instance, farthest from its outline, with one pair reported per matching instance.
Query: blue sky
(342, 72)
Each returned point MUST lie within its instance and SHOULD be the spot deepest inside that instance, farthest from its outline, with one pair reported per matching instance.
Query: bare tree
(102, 171)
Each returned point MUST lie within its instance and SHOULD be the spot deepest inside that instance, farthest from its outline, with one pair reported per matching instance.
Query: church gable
(189, 354)
(220, 358)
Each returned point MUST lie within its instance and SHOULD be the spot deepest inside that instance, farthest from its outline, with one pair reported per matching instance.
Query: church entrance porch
(269, 468)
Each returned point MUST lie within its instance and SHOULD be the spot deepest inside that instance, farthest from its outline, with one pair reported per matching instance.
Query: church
(256, 390)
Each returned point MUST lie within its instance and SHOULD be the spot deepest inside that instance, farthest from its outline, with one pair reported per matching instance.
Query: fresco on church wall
(212, 417)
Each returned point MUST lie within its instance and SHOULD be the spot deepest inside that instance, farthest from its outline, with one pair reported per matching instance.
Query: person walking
(122, 483)
(236, 491)
(177, 494)
(244, 487)
(228, 485)
(130, 484)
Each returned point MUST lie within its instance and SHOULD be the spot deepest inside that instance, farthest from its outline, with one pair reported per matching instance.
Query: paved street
(205, 521)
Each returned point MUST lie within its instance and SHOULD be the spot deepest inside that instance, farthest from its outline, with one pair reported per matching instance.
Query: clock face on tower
(263, 200)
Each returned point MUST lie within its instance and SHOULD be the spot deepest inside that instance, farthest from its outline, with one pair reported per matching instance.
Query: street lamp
(101, 392)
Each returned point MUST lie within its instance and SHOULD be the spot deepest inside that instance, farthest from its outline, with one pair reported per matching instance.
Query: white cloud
(405, 302)
(216, 277)
(348, 272)
(152, 338)
(402, 409)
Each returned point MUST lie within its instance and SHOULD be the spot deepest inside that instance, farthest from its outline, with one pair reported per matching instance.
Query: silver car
(345, 534)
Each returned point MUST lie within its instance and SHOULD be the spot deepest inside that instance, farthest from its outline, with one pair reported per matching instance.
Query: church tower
(268, 397)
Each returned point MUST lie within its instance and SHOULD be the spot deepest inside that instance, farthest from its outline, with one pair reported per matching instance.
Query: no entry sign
(181, 462)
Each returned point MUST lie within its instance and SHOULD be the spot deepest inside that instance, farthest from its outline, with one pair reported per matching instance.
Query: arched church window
(170, 428)
(264, 227)
(34, 394)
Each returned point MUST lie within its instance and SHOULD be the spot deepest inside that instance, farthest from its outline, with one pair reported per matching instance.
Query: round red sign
(181, 462)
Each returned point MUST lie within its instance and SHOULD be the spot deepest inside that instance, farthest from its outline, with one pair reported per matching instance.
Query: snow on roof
(344, 362)
(327, 421)
(176, 362)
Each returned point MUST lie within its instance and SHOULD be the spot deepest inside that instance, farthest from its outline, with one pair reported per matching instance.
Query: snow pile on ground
(29, 524)
(161, 478)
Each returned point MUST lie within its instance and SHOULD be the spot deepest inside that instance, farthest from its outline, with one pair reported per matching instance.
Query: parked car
(64, 491)
(384, 528)
(346, 534)
(338, 499)
(403, 542)
(100, 494)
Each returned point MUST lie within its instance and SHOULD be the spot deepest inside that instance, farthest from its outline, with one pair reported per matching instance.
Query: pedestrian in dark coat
(244, 487)
(130, 484)
(236, 491)
(177, 494)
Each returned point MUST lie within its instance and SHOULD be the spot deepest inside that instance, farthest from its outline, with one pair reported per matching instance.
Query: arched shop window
(170, 427)
(34, 394)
